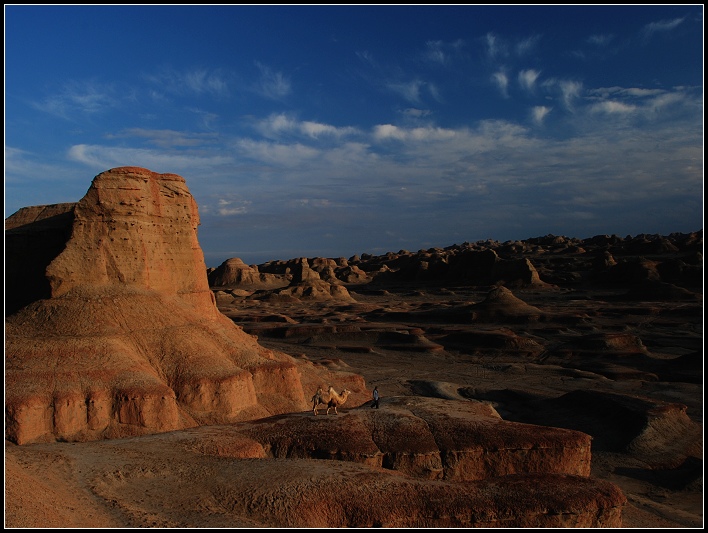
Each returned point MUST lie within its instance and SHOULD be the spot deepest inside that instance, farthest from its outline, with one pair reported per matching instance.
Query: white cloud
(273, 85)
(646, 103)
(538, 113)
(366, 57)
(663, 100)
(313, 202)
(527, 78)
(495, 165)
(661, 26)
(441, 52)
(606, 92)
(196, 81)
(527, 46)
(165, 138)
(280, 123)
(105, 157)
(202, 81)
(570, 90)
(276, 124)
(271, 153)
(416, 113)
(495, 47)
(434, 52)
(498, 48)
(317, 129)
(408, 90)
(501, 80)
(612, 107)
(388, 131)
(230, 207)
(600, 39)
(79, 97)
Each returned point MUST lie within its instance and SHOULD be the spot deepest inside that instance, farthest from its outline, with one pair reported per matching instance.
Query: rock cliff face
(138, 229)
(118, 333)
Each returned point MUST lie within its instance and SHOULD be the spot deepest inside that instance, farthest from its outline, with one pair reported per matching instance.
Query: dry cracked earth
(588, 344)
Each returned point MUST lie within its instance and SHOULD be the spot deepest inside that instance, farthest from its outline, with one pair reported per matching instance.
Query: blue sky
(331, 131)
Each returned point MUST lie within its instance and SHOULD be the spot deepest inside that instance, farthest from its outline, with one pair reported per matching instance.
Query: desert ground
(557, 352)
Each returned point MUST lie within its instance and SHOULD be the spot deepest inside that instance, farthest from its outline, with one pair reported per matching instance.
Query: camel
(330, 398)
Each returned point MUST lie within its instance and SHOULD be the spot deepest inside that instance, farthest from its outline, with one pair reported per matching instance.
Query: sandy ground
(151, 481)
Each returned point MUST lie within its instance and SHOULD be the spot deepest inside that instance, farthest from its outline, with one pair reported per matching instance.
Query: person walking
(375, 395)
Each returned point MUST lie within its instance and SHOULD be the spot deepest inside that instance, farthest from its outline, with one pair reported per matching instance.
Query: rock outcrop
(117, 332)
(234, 273)
(294, 279)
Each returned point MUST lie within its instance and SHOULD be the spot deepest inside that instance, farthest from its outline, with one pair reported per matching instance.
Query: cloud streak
(79, 97)
(661, 26)
(272, 84)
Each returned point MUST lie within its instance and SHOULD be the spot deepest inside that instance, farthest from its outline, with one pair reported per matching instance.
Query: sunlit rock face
(122, 336)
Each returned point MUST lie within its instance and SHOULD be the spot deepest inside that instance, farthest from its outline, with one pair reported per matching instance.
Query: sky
(333, 131)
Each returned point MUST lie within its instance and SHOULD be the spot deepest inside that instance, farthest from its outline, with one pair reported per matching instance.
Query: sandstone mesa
(116, 331)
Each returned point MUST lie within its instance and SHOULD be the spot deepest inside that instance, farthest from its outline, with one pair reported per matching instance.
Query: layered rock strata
(124, 337)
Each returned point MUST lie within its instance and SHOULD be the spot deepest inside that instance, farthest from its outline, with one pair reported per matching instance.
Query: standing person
(375, 395)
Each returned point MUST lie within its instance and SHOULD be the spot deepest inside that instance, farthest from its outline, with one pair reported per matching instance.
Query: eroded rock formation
(122, 335)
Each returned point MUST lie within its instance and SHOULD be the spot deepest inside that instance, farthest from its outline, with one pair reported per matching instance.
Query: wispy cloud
(196, 81)
(273, 153)
(102, 157)
(203, 81)
(278, 124)
(415, 113)
(538, 114)
(434, 52)
(527, 46)
(366, 57)
(272, 84)
(612, 107)
(501, 80)
(410, 90)
(389, 131)
(661, 26)
(77, 97)
(228, 207)
(634, 92)
(495, 47)
(600, 39)
(441, 52)
(165, 138)
(527, 79)
(648, 103)
(570, 90)
(308, 170)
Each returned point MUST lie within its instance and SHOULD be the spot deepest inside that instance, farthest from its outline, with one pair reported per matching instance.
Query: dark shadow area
(29, 249)
(690, 472)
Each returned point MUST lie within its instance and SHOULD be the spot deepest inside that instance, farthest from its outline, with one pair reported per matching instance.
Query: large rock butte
(112, 329)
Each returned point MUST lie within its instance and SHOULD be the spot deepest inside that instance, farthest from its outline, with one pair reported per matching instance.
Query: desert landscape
(549, 382)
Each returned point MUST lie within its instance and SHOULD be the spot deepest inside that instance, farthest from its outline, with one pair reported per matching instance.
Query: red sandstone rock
(128, 340)
(235, 273)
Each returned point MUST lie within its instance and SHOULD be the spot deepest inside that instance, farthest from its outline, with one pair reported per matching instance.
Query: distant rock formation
(501, 304)
(234, 273)
(113, 329)
(315, 289)
(294, 279)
